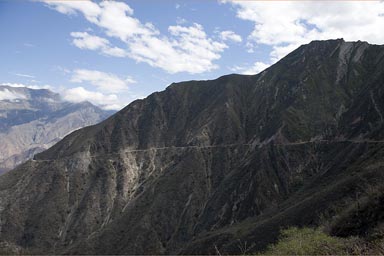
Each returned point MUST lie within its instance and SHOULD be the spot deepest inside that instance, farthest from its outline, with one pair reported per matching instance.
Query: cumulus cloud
(286, 25)
(185, 49)
(105, 82)
(231, 36)
(6, 94)
(256, 68)
(83, 40)
(79, 94)
(88, 8)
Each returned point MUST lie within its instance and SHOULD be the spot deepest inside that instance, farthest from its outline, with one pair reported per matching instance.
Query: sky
(111, 53)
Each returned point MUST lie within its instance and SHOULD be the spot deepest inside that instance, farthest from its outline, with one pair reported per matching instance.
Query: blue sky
(111, 53)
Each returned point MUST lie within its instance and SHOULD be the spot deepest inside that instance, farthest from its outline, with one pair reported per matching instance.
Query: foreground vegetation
(309, 241)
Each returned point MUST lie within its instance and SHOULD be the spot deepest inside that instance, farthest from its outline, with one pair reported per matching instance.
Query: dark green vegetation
(215, 166)
(308, 241)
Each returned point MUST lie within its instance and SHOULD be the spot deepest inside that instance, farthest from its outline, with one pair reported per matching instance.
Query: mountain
(208, 167)
(33, 120)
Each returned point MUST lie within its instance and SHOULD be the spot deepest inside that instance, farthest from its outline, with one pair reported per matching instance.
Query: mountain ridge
(206, 164)
(32, 120)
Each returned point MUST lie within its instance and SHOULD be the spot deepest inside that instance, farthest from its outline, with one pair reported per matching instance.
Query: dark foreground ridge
(210, 166)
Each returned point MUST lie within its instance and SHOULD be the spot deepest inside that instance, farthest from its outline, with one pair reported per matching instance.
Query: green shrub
(307, 241)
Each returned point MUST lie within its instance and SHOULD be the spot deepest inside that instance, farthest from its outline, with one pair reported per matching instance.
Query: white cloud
(105, 82)
(14, 84)
(286, 25)
(29, 45)
(256, 68)
(79, 94)
(115, 52)
(32, 86)
(83, 40)
(107, 101)
(23, 75)
(6, 94)
(39, 87)
(231, 36)
(185, 49)
(180, 21)
(89, 9)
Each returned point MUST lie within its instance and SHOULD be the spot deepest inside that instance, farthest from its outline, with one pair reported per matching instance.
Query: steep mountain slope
(33, 120)
(208, 166)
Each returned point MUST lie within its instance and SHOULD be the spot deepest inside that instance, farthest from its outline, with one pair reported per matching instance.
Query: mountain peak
(25, 93)
(32, 120)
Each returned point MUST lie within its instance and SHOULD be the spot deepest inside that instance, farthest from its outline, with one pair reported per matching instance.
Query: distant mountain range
(33, 120)
(214, 167)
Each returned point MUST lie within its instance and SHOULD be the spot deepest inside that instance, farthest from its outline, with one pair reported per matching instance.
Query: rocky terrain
(208, 167)
(32, 120)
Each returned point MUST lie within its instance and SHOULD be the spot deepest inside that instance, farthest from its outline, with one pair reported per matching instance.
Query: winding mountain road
(217, 146)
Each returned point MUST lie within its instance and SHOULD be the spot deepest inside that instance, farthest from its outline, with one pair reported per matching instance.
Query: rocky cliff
(33, 120)
(211, 166)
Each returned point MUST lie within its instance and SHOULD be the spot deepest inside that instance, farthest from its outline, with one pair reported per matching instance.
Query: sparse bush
(307, 241)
